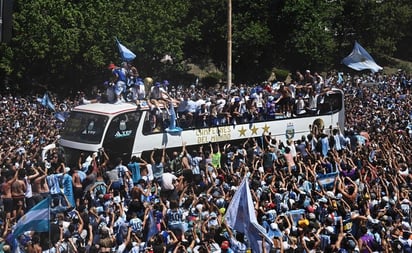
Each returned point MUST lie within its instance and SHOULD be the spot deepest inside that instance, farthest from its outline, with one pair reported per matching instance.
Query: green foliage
(281, 74)
(67, 45)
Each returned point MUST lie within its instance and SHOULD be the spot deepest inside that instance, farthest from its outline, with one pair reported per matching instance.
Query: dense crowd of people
(176, 202)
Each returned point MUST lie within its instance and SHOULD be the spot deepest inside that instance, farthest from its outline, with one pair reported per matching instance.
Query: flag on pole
(36, 219)
(125, 53)
(241, 217)
(360, 59)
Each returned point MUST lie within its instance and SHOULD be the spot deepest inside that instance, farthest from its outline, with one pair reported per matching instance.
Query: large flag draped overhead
(360, 59)
(241, 217)
(36, 219)
(125, 53)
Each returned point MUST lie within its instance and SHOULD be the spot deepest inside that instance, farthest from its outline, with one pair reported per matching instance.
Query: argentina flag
(36, 219)
(46, 101)
(241, 216)
(359, 59)
(327, 180)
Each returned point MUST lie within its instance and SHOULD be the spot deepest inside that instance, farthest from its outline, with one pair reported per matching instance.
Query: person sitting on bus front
(159, 97)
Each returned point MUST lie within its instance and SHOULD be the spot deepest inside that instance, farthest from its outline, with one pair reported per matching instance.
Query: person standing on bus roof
(138, 91)
(119, 79)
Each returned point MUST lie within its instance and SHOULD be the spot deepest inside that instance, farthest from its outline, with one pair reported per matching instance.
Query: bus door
(120, 135)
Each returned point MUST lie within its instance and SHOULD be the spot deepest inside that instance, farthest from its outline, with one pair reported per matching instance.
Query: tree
(305, 34)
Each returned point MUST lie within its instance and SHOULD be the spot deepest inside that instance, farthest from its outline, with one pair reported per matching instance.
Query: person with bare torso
(18, 190)
(6, 194)
(77, 186)
(37, 185)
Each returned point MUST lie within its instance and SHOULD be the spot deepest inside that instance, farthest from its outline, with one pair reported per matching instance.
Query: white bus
(124, 130)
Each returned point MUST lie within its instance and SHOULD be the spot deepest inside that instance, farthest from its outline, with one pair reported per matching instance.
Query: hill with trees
(67, 45)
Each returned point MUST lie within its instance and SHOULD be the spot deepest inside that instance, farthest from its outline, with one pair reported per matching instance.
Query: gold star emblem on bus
(266, 129)
(254, 129)
(242, 131)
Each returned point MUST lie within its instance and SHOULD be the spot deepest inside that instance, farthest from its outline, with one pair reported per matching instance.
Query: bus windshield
(84, 127)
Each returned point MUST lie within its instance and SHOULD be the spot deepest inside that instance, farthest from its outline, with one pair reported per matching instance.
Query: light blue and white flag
(46, 101)
(360, 59)
(327, 180)
(240, 216)
(62, 116)
(36, 219)
(296, 215)
(125, 53)
(340, 78)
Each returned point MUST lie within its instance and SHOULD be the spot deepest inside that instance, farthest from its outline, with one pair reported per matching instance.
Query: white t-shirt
(167, 181)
